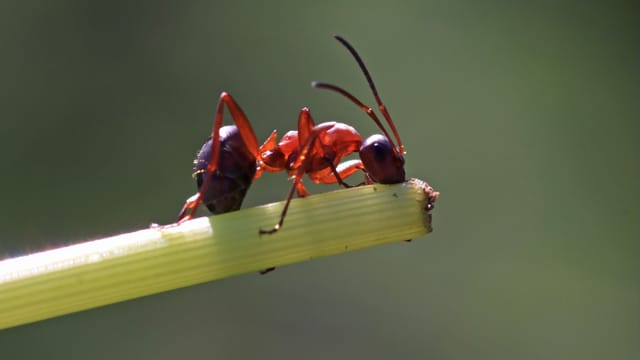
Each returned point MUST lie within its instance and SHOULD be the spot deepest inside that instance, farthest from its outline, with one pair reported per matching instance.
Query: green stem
(128, 266)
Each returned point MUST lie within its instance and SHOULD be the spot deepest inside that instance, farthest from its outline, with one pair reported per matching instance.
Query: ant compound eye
(381, 161)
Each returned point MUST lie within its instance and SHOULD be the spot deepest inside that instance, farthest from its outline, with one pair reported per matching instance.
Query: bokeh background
(523, 114)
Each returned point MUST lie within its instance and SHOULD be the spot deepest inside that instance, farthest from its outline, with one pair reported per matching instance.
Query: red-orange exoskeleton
(231, 159)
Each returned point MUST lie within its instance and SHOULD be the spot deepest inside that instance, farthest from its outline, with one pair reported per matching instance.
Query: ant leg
(248, 137)
(339, 175)
(190, 205)
(305, 131)
(305, 125)
(268, 270)
(301, 190)
(286, 205)
(299, 165)
(341, 172)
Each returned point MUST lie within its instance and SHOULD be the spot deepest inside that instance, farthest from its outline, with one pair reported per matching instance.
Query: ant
(231, 159)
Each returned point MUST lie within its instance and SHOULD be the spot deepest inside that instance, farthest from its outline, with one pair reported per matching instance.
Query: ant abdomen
(233, 176)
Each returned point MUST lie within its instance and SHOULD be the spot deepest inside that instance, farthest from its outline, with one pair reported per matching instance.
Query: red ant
(230, 160)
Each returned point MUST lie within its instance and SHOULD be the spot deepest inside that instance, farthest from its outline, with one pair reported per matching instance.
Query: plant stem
(144, 262)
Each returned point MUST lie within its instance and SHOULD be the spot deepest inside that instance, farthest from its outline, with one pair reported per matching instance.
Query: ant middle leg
(299, 166)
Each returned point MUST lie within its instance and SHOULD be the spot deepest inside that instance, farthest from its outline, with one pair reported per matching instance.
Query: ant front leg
(250, 145)
(345, 170)
(341, 172)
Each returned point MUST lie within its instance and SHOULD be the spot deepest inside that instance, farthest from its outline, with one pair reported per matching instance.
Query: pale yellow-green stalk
(149, 261)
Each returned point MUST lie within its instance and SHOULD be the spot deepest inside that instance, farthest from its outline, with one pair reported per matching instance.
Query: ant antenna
(345, 93)
(372, 86)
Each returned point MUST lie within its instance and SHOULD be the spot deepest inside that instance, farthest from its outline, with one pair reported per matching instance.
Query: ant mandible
(230, 160)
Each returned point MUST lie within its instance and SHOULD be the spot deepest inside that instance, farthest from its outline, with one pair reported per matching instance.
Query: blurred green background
(523, 114)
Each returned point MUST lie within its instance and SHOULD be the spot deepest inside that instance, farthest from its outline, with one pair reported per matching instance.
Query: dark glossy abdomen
(234, 175)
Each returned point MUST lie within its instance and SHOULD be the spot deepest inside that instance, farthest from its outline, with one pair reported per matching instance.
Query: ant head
(382, 163)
